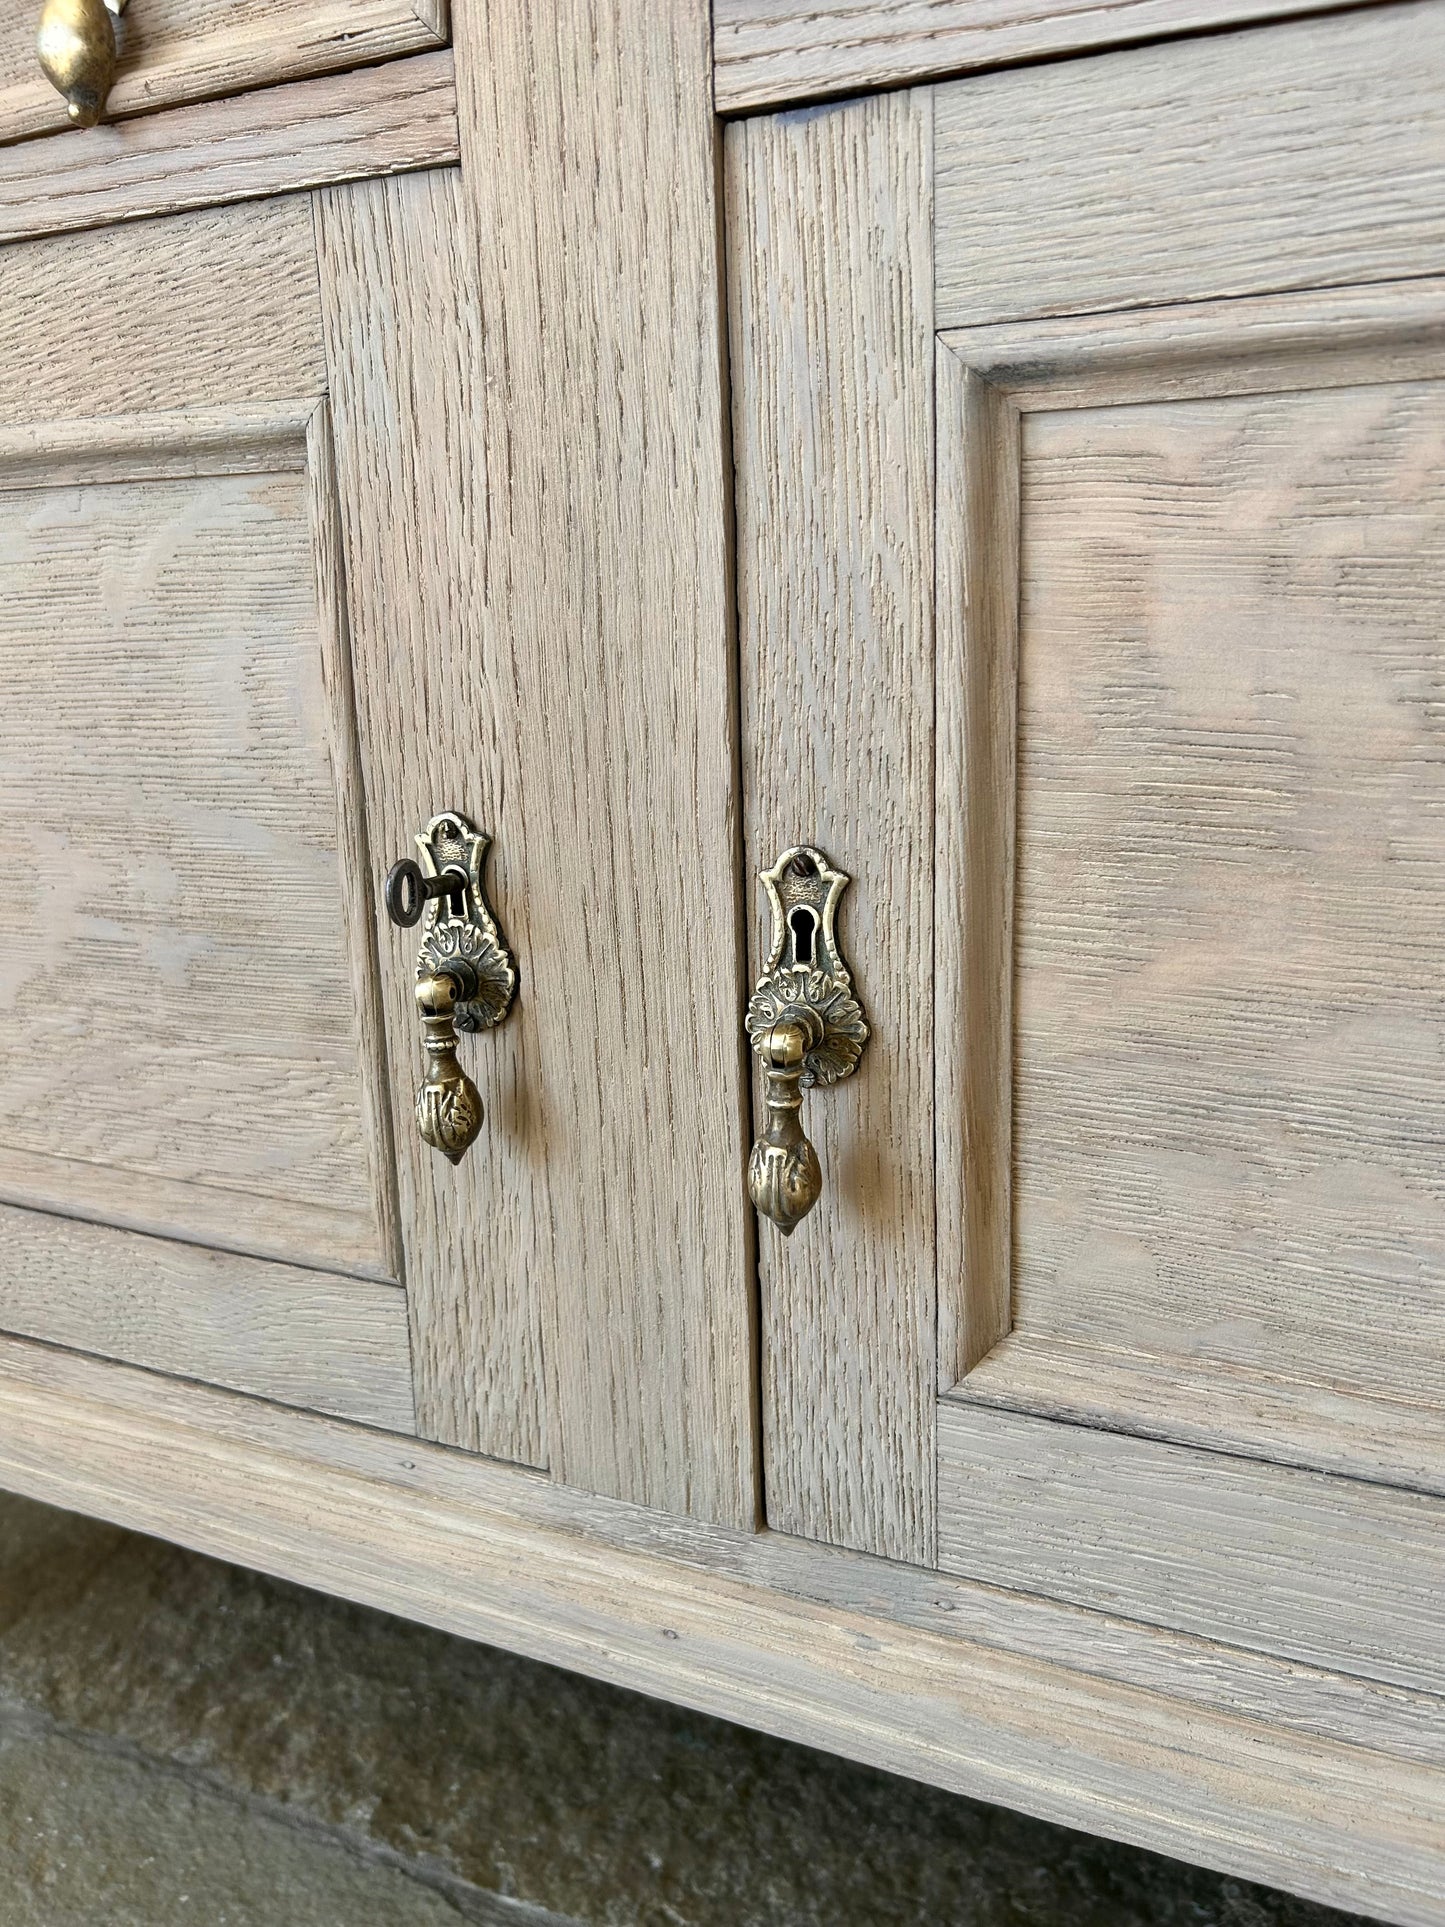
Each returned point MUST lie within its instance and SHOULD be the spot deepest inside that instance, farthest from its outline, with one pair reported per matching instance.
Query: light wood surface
(975, 697)
(419, 457)
(179, 1004)
(829, 233)
(1229, 985)
(211, 338)
(1332, 1572)
(309, 1338)
(770, 51)
(187, 50)
(378, 120)
(589, 171)
(1269, 1771)
(1252, 1411)
(1185, 172)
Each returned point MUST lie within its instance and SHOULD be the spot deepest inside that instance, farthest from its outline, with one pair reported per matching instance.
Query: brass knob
(806, 1026)
(465, 976)
(448, 1105)
(77, 47)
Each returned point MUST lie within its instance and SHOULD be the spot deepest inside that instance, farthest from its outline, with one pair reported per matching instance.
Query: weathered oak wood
(213, 336)
(589, 172)
(309, 1338)
(1332, 1572)
(173, 51)
(418, 459)
(770, 51)
(829, 232)
(379, 120)
(1183, 172)
(1270, 1771)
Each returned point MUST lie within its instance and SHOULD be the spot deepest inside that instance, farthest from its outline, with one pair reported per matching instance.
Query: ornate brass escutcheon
(78, 46)
(806, 1026)
(466, 977)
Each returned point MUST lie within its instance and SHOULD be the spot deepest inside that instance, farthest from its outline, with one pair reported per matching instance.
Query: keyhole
(803, 924)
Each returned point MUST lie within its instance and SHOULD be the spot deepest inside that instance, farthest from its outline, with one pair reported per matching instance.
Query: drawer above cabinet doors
(1090, 430)
(114, 58)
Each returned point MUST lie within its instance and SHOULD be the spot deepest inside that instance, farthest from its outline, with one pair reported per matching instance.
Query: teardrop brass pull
(806, 1026)
(77, 47)
(466, 976)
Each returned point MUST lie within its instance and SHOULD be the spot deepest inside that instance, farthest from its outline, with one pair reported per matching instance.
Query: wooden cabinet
(1023, 486)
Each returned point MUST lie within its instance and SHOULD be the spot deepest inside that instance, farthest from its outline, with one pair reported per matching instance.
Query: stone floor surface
(185, 1742)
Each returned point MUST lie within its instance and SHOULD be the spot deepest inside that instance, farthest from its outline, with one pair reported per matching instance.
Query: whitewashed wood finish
(176, 983)
(1255, 346)
(1289, 156)
(1333, 1572)
(832, 362)
(217, 309)
(589, 171)
(185, 50)
(379, 120)
(419, 469)
(308, 1338)
(1270, 1771)
(975, 692)
(1230, 994)
(770, 51)
(1252, 1412)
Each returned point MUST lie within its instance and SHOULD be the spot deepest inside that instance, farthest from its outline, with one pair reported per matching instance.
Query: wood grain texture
(589, 181)
(1332, 1572)
(976, 685)
(1230, 961)
(829, 245)
(419, 460)
(1331, 1786)
(1250, 1411)
(175, 984)
(769, 51)
(1184, 172)
(379, 120)
(308, 1338)
(174, 51)
(225, 302)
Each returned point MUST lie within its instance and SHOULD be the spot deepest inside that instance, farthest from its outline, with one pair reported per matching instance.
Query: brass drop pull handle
(806, 1026)
(78, 46)
(466, 978)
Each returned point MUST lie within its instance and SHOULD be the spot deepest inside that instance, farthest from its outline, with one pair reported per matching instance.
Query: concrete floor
(184, 1742)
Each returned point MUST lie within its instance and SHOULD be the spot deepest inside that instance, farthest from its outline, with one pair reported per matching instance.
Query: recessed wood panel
(1230, 909)
(176, 966)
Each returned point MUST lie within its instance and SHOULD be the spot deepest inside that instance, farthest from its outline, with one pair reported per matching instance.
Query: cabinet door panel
(1187, 820)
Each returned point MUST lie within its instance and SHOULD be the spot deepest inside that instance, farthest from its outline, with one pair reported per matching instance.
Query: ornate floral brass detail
(466, 976)
(806, 1026)
(78, 47)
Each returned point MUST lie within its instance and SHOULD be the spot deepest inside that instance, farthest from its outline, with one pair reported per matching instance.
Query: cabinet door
(1091, 432)
(207, 1156)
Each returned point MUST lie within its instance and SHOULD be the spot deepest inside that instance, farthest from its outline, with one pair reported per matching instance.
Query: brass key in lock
(466, 976)
(806, 1026)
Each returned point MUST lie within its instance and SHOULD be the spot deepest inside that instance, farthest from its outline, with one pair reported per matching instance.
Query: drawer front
(1104, 470)
(172, 51)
